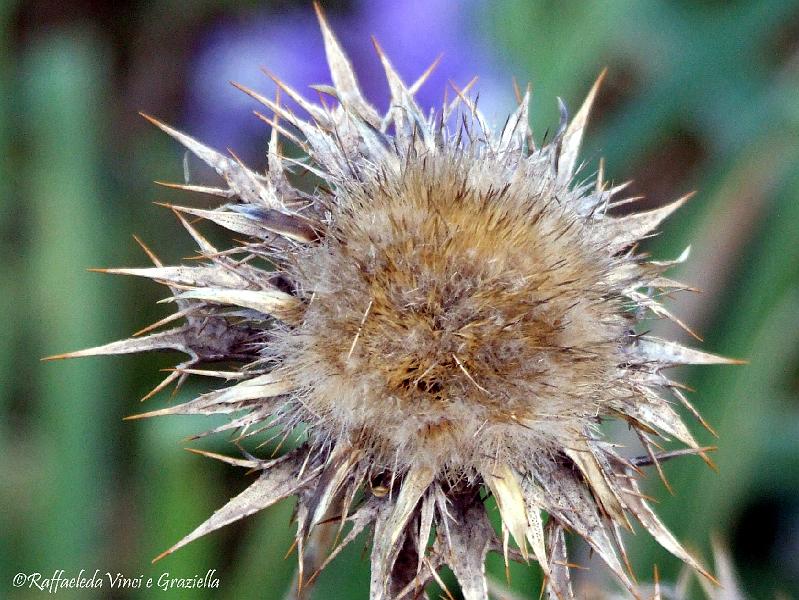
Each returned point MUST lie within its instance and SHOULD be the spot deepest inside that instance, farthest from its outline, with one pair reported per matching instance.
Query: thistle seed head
(460, 314)
(449, 314)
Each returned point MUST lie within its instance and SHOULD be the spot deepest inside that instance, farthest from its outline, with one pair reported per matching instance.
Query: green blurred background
(699, 95)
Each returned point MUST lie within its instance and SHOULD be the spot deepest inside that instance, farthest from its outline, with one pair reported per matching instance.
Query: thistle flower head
(448, 315)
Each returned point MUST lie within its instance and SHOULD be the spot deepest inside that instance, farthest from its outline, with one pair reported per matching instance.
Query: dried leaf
(268, 302)
(660, 351)
(274, 484)
(573, 137)
(344, 80)
(559, 585)
(504, 484)
(469, 539)
(391, 524)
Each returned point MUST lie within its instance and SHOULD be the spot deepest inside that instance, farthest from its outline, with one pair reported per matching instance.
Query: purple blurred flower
(413, 33)
(237, 51)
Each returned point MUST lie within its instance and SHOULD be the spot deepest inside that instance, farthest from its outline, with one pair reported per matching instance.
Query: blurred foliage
(699, 95)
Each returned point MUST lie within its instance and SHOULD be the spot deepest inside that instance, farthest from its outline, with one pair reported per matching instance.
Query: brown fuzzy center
(443, 304)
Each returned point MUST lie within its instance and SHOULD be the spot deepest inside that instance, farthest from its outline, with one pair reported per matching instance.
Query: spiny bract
(448, 315)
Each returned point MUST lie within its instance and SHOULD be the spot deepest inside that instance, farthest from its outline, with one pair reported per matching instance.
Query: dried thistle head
(448, 315)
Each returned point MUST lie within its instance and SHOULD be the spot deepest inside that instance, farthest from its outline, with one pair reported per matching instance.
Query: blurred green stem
(63, 77)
